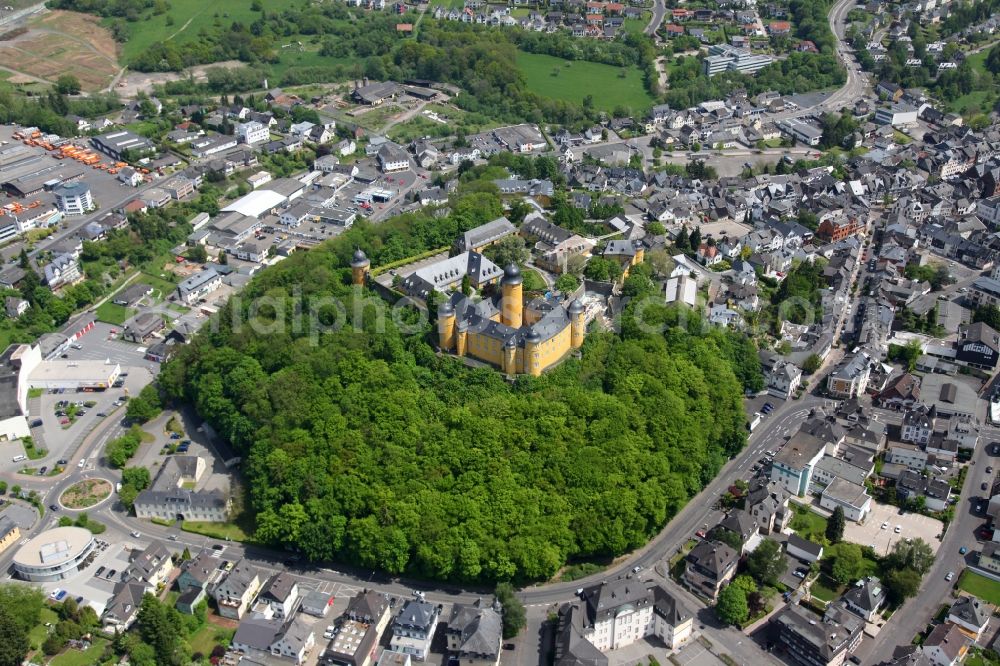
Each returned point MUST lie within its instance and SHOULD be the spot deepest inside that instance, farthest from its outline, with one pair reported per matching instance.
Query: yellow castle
(502, 331)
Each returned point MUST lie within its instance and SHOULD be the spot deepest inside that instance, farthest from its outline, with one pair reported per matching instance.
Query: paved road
(853, 88)
(659, 11)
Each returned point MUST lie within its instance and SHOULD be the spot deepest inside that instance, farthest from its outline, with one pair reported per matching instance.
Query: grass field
(188, 17)
(113, 314)
(980, 586)
(307, 56)
(577, 79)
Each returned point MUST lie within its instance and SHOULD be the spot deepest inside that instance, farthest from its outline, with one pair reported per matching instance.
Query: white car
(898, 529)
(136, 535)
(951, 574)
(885, 526)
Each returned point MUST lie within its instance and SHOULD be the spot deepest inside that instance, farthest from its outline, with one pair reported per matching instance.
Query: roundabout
(85, 494)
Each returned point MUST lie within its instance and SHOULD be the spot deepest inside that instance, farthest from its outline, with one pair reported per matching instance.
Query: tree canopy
(361, 443)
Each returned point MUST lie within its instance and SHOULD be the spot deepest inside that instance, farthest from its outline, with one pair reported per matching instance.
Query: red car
(700, 534)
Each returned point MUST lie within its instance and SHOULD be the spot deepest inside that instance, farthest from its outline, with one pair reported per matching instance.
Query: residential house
(946, 645)
(413, 629)
(850, 378)
(280, 595)
(806, 640)
(793, 466)
(260, 638)
(970, 615)
(123, 606)
(865, 598)
(151, 567)
(356, 634)
(10, 533)
(15, 307)
(918, 424)
(235, 594)
(851, 497)
(783, 379)
(709, 566)
(474, 633)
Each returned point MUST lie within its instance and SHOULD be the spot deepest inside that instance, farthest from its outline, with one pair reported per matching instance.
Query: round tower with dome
(360, 265)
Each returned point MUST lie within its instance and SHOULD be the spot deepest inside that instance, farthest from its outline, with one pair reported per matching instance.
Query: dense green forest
(363, 444)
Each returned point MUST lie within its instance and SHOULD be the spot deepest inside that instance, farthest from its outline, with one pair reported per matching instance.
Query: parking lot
(154, 454)
(911, 525)
(100, 344)
(97, 590)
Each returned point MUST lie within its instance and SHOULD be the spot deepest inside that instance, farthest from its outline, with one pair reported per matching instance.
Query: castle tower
(512, 303)
(446, 326)
(577, 324)
(461, 337)
(510, 357)
(532, 365)
(360, 266)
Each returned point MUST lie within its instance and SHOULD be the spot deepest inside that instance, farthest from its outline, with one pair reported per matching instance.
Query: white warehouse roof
(256, 203)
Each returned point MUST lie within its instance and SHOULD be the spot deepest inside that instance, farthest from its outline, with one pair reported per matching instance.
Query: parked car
(951, 574)
(898, 529)
(983, 486)
(989, 470)
(963, 550)
(99, 571)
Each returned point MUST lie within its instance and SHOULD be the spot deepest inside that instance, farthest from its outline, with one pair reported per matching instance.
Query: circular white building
(74, 199)
(54, 554)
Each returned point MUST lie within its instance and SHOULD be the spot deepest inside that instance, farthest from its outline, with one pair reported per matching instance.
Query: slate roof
(417, 614)
(479, 629)
(971, 611)
(485, 233)
(867, 594)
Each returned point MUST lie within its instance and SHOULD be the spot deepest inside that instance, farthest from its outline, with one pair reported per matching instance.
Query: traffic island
(85, 494)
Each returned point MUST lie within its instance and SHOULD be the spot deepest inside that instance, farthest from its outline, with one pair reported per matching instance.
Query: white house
(616, 614)
(252, 132)
(850, 497)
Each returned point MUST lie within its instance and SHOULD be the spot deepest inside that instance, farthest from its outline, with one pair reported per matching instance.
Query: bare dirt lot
(133, 83)
(59, 43)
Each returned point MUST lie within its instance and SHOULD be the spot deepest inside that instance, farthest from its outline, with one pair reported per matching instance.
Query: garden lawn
(81, 658)
(533, 281)
(578, 78)
(808, 525)
(113, 314)
(40, 632)
(824, 589)
(206, 638)
(980, 586)
(230, 531)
